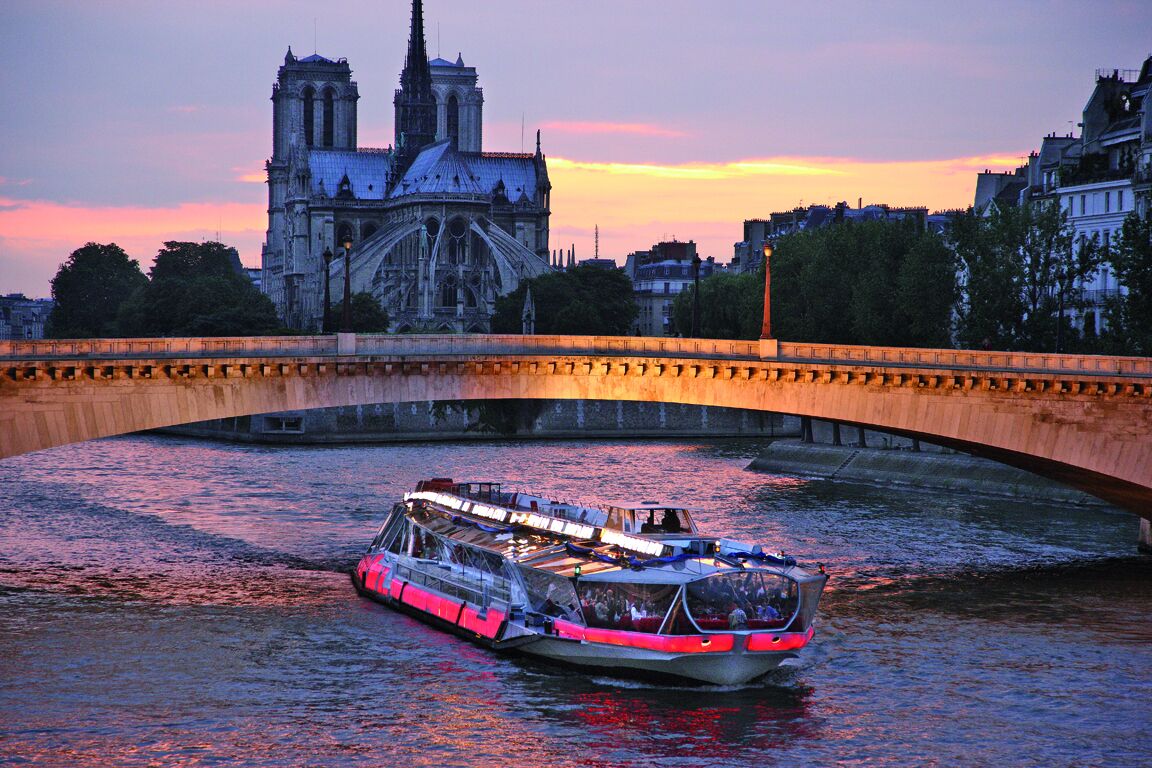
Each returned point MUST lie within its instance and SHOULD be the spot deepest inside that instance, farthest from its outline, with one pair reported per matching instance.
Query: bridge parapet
(407, 345)
(961, 359)
(371, 344)
(1086, 420)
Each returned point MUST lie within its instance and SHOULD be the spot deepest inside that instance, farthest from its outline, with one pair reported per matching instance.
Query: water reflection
(170, 602)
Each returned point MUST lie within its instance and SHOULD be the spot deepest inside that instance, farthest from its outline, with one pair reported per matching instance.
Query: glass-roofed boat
(628, 587)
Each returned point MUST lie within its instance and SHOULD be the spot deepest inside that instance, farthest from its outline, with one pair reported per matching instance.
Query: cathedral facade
(439, 228)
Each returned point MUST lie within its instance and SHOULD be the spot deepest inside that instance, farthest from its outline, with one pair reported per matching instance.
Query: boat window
(615, 521)
(678, 623)
(392, 524)
(744, 600)
(665, 521)
(626, 606)
(424, 544)
(483, 560)
(550, 594)
(399, 540)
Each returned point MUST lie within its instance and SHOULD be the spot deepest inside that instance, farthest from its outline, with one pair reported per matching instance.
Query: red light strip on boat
(452, 611)
(371, 570)
(787, 641)
(664, 643)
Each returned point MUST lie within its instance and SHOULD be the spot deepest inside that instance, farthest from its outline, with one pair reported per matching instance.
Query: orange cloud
(586, 127)
(247, 176)
(636, 205)
(697, 171)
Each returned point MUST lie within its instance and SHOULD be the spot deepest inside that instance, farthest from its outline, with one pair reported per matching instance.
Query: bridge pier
(1144, 542)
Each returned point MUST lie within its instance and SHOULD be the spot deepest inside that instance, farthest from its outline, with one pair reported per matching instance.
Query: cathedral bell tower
(313, 109)
(415, 101)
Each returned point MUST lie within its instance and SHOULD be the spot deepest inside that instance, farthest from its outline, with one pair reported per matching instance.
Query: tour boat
(629, 588)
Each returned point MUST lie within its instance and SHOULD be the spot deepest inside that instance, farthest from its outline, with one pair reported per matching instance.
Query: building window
(1119, 199)
(1107, 202)
(453, 127)
(329, 117)
(309, 115)
(1083, 205)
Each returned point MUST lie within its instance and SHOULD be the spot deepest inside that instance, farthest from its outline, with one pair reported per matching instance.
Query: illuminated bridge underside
(1084, 421)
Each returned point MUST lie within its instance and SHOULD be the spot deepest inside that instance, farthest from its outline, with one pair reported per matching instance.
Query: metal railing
(455, 583)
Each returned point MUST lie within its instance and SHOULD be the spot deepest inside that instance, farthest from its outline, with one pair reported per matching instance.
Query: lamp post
(327, 327)
(695, 297)
(346, 320)
(766, 328)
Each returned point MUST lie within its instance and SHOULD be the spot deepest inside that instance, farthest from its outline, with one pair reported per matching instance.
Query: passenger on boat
(671, 521)
(737, 617)
(766, 612)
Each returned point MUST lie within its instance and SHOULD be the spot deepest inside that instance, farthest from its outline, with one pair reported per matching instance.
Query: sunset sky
(139, 121)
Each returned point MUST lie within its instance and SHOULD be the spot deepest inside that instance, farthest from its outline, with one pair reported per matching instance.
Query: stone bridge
(1083, 420)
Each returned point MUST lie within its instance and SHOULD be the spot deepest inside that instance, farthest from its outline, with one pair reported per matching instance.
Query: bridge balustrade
(496, 344)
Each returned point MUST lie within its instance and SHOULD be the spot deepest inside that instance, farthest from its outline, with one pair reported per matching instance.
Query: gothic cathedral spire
(415, 103)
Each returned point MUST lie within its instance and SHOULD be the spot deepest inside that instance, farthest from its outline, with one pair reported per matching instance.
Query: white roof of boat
(638, 505)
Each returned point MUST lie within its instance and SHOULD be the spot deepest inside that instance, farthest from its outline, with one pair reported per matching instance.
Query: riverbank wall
(934, 469)
(487, 420)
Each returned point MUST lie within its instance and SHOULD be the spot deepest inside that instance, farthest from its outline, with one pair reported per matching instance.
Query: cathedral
(438, 227)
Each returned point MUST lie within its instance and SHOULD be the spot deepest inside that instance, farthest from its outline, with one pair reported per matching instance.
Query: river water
(170, 602)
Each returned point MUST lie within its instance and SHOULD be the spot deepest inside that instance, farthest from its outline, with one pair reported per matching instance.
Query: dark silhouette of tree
(1020, 270)
(1130, 316)
(878, 282)
(198, 289)
(367, 314)
(585, 301)
(88, 290)
(731, 307)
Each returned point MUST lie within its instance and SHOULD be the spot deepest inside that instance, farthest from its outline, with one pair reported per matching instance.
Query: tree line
(1009, 280)
(192, 289)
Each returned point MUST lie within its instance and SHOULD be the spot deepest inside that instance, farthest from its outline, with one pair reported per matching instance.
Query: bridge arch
(1084, 421)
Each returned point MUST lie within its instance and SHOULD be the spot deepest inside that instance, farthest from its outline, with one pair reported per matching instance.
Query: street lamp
(346, 321)
(696, 297)
(327, 327)
(766, 328)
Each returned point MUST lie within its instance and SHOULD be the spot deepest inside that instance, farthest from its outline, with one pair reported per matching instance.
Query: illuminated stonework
(1086, 421)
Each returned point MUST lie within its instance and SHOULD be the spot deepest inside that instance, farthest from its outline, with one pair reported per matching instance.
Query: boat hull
(731, 668)
(718, 659)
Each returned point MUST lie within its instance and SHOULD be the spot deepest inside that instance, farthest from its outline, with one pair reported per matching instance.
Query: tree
(991, 304)
(367, 314)
(1021, 267)
(731, 306)
(877, 282)
(88, 290)
(198, 289)
(585, 301)
(1130, 316)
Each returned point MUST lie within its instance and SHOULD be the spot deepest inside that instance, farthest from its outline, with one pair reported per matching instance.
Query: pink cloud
(36, 236)
(586, 127)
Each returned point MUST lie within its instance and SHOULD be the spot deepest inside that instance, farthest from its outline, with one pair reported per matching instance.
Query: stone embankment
(545, 419)
(902, 467)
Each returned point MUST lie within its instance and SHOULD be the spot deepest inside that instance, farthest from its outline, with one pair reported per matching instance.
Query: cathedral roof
(440, 169)
(439, 62)
(516, 171)
(367, 171)
(316, 59)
